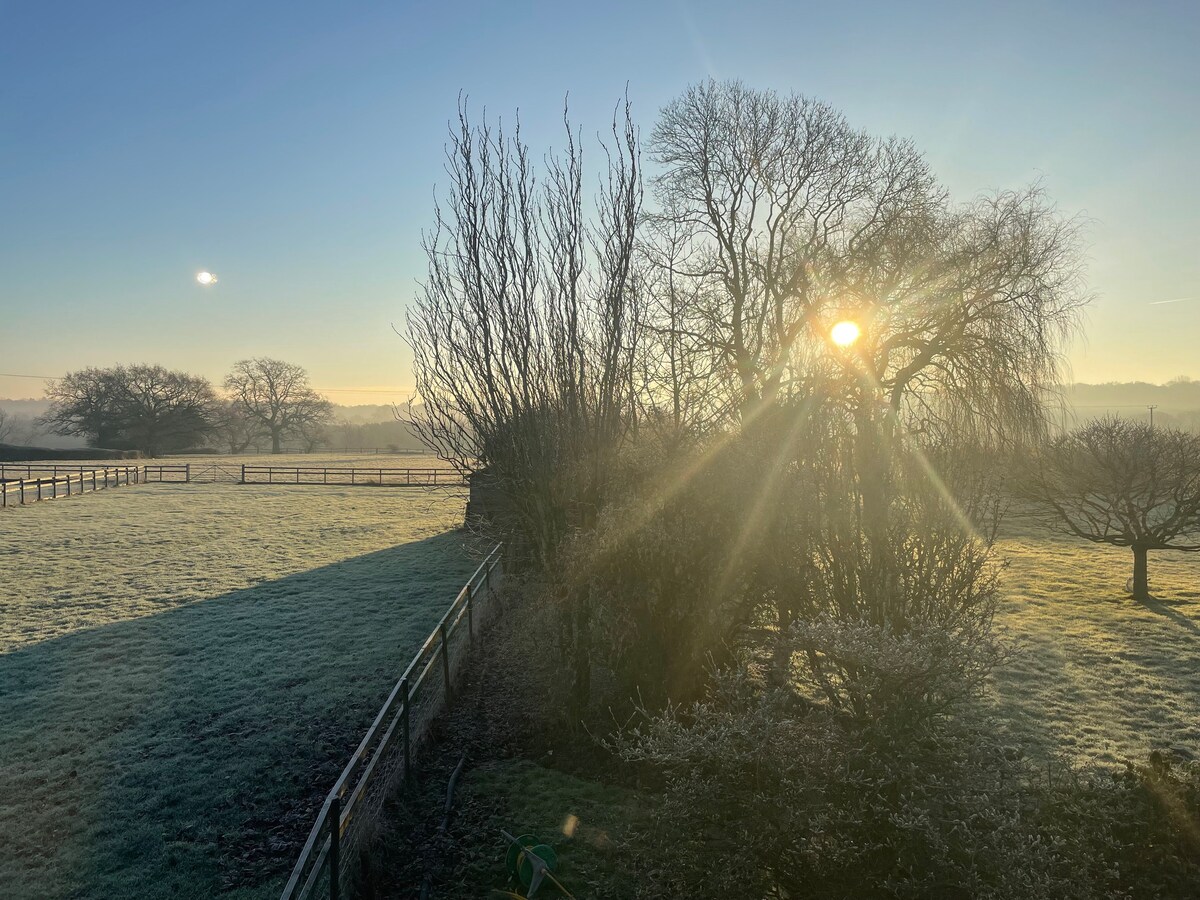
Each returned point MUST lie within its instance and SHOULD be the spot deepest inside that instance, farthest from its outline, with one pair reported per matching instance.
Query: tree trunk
(1141, 579)
(276, 438)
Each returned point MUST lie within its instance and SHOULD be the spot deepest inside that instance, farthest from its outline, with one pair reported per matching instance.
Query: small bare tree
(277, 397)
(524, 335)
(7, 426)
(1119, 482)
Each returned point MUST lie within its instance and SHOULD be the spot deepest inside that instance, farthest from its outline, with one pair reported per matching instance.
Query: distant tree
(7, 426)
(313, 433)
(21, 431)
(1119, 482)
(277, 396)
(234, 427)
(141, 407)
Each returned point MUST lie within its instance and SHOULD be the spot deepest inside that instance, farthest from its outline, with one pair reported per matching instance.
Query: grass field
(185, 668)
(1096, 676)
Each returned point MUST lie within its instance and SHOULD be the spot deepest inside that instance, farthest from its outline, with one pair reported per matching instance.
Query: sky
(293, 148)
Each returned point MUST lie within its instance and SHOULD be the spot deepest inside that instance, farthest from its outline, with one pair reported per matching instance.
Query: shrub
(765, 795)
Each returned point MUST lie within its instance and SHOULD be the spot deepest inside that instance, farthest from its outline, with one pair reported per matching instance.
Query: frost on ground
(1098, 677)
(184, 669)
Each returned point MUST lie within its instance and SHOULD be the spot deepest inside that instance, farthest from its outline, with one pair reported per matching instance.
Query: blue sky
(293, 149)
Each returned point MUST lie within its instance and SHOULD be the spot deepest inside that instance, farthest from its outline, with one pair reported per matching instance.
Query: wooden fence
(384, 758)
(23, 490)
(352, 475)
(14, 471)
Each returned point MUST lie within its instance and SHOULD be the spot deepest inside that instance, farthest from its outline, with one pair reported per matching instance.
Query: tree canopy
(141, 407)
(275, 396)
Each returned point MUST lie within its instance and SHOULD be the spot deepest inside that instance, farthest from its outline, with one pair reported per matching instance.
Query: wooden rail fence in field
(352, 475)
(384, 758)
(23, 490)
(12, 471)
(31, 482)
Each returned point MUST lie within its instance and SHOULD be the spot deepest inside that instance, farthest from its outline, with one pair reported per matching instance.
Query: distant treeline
(265, 404)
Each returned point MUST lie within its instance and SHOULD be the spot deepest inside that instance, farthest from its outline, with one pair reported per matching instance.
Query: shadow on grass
(184, 754)
(1163, 607)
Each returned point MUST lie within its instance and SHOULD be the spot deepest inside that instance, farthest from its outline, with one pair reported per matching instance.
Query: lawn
(1098, 677)
(185, 668)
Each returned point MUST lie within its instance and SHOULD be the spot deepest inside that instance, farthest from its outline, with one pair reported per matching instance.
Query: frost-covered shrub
(766, 795)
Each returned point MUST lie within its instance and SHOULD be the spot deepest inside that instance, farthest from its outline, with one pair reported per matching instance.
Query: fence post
(404, 728)
(335, 848)
(187, 473)
(445, 659)
(243, 473)
(471, 612)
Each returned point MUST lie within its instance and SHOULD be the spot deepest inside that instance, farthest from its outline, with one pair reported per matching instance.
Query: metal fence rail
(352, 475)
(21, 491)
(385, 755)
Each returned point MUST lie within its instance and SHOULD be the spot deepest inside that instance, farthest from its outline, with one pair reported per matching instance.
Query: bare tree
(1114, 481)
(785, 220)
(7, 426)
(276, 396)
(788, 219)
(765, 189)
(524, 336)
(234, 426)
(143, 407)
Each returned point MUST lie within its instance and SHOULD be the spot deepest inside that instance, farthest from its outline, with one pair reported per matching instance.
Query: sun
(845, 333)
(206, 278)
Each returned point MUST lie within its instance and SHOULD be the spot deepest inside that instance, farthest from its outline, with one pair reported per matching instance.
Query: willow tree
(524, 335)
(792, 219)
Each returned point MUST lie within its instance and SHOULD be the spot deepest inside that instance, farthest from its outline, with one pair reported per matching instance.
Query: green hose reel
(530, 861)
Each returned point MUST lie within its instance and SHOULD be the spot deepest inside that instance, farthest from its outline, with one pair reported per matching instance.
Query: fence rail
(20, 491)
(352, 475)
(385, 754)
(13, 471)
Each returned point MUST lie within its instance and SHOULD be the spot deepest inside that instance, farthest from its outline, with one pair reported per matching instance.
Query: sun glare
(206, 278)
(845, 333)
